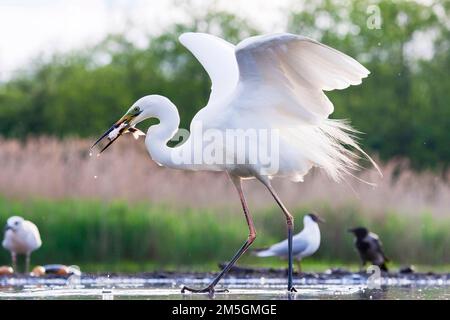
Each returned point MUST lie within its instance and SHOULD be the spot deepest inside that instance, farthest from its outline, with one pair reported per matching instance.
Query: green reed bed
(137, 237)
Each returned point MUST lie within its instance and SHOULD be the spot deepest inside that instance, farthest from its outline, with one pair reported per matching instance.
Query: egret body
(266, 84)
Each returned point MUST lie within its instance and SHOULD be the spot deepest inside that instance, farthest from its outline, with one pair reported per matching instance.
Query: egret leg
(290, 229)
(14, 261)
(27, 263)
(251, 237)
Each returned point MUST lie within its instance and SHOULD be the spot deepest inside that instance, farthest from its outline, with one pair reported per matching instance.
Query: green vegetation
(117, 236)
(403, 105)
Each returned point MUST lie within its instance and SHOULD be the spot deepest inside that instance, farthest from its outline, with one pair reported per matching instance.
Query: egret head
(312, 217)
(14, 223)
(359, 232)
(144, 108)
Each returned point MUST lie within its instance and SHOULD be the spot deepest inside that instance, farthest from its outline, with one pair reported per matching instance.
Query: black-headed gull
(304, 244)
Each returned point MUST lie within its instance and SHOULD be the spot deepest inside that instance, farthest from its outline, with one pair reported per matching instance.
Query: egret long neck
(158, 135)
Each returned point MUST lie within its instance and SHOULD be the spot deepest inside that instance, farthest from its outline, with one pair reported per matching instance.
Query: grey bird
(369, 247)
(304, 244)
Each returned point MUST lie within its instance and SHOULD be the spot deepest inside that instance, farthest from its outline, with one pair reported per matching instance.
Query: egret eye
(16, 223)
(136, 109)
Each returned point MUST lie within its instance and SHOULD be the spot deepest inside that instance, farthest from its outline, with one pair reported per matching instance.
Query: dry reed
(51, 168)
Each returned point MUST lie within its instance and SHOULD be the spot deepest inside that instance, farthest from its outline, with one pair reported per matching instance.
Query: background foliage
(403, 105)
(117, 232)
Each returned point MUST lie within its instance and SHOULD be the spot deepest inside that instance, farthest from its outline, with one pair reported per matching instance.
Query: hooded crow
(369, 247)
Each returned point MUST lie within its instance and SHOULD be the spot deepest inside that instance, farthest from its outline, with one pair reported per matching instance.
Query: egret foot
(209, 289)
(292, 289)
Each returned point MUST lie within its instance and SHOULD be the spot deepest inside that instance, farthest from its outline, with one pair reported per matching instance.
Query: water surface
(246, 288)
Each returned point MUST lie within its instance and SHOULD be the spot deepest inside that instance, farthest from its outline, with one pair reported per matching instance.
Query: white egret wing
(218, 58)
(298, 69)
(277, 82)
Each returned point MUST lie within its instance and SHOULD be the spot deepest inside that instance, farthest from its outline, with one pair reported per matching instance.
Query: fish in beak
(117, 129)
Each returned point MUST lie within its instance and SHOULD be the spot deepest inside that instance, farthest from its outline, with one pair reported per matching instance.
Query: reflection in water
(374, 294)
(248, 288)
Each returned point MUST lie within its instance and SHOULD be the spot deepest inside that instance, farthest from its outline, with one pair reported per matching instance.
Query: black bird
(369, 247)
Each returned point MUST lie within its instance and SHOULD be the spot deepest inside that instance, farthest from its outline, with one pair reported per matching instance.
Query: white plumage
(273, 83)
(276, 82)
(21, 237)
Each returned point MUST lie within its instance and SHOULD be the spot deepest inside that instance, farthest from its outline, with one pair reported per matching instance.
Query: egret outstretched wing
(299, 69)
(292, 72)
(277, 81)
(217, 57)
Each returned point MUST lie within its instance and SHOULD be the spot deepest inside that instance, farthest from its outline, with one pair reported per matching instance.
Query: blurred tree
(403, 105)
(83, 92)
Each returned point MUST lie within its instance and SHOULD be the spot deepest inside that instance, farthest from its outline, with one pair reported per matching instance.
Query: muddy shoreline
(251, 273)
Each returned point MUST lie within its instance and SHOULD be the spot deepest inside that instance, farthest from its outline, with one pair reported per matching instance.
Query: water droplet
(90, 153)
(95, 177)
(379, 43)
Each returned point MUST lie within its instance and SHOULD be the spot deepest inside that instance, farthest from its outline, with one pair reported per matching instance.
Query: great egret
(304, 244)
(21, 237)
(369, 248)
(266, 85)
